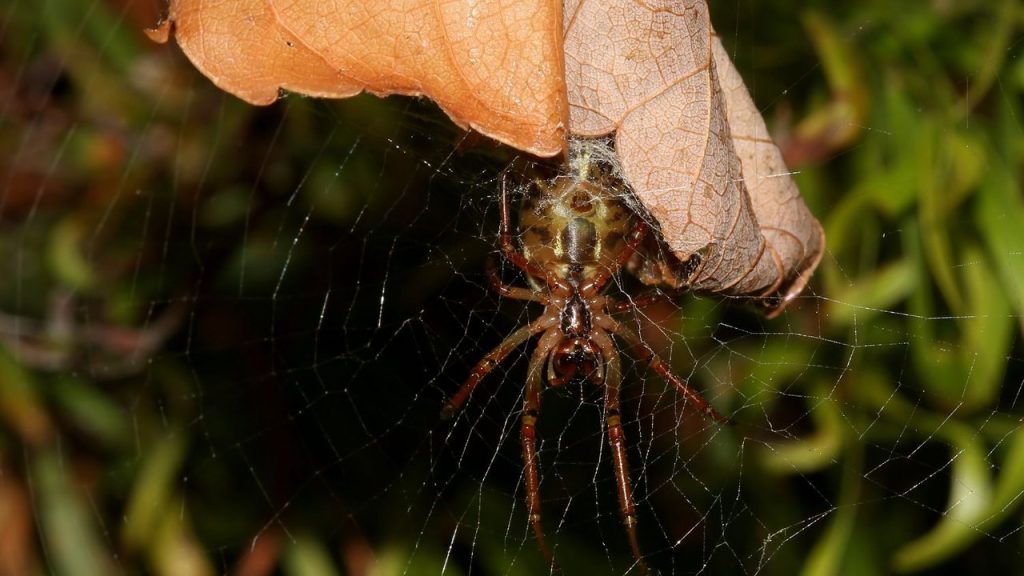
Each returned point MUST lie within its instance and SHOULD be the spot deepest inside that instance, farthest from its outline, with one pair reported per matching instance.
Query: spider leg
(528, 434)
(508, 246)
(492, 359)
(642, 301)
(636, 236)
(617, 440)
(513, 292)
(658, 365)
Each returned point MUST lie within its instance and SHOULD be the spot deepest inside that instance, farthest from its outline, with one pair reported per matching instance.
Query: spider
(576, 234)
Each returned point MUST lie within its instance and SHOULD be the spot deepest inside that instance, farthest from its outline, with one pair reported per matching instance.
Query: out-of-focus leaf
(777, 363)
(73, 542)
(153, 490)
(961, 368)
(1009, 481)
(66, 258)
(828, 555)
(997, 37)
(935, 362)
(966, 158)
(17, 527)
(1016, 75)
(846, 221)
(872, 294)
(306, 556)
(977, 502)
(935, 226)
(892, 182)
(69, 21)
(264, 553)
(891, 189)
(225, 208)
(91, 410)
(841, 120)
(965, 371)
(987, 331)
(21, 408)
(814, 451)
(395, 561)
(174, 550)
(999, 216)
(1009, 121)
(970, 498)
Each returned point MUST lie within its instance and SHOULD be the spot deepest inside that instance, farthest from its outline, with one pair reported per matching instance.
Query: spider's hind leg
(617, 440)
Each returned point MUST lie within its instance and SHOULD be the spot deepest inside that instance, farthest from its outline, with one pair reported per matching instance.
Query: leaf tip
(160, 33)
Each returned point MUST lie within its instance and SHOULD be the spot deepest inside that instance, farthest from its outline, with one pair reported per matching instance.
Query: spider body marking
(576, 234)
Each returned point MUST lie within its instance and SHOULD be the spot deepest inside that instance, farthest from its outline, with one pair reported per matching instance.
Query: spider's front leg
(507, 291)
(508, 247)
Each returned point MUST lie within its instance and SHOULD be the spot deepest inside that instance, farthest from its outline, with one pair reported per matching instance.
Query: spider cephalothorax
(576, 233)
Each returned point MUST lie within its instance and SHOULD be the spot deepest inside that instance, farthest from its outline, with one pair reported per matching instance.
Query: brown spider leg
(617, 440)
(659, 366)
(636, 236)
(507, 291)
(516, 257)
(641, 301)
(528, 435)
(492, 359)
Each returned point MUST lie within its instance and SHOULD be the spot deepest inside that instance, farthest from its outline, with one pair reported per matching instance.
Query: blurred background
(226, 331)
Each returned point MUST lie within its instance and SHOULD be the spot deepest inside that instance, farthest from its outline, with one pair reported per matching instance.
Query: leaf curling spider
(576, 234)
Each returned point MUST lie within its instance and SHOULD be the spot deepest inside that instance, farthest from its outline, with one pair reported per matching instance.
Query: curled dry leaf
(691, 144)
(492, 66)
(792, 233)
(688, 137)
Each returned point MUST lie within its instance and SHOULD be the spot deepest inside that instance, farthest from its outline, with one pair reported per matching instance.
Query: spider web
(228, 332)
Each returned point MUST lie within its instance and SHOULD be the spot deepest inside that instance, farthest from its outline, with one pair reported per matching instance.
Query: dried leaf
(790, 229)
(654, 74)
(494, 67)
(689, 139)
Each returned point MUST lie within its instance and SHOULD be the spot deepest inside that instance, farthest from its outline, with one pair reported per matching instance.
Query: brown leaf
(790, 229)
(688, 137)
(652, 73)
(494, 67)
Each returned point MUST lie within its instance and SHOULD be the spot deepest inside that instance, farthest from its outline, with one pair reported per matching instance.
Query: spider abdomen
(579, 242)
(574, 228)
